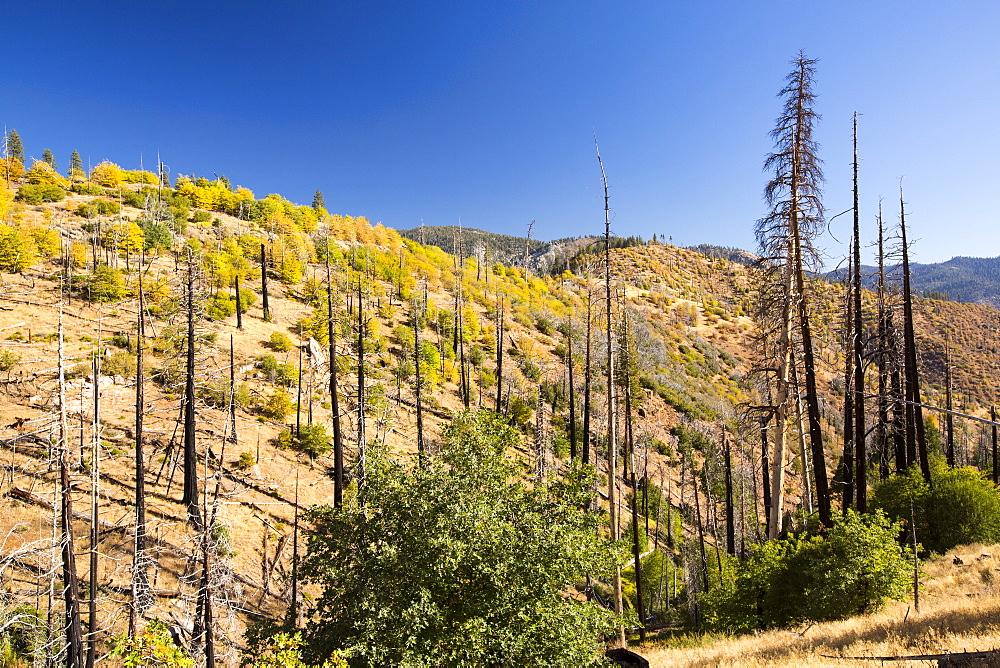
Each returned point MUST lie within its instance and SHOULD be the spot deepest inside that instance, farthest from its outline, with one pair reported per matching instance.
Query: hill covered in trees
(214, 398)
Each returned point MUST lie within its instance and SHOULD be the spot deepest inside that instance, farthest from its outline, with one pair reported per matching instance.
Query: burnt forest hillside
(105, 276)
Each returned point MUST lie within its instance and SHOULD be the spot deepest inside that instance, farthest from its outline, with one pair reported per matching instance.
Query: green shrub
(36, 193)
(220, 306)
(86, 189)
(121, 363)
(246, 461)
(201, 217)
(854, 569)
(279, 342)
(8, 360)
(961, 506)
(98, 207)
(106, 285)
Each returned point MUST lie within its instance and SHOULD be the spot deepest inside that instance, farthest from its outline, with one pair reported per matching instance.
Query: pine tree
(76, 172)
(14, 147)
(49, 158)
(318, 201)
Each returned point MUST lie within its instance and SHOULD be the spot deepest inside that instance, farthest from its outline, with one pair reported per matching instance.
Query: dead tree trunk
(338, 442)
(915, 429)
(860, 448)
(263, 284)
(190, 498)
(141, 595)
(612, 417)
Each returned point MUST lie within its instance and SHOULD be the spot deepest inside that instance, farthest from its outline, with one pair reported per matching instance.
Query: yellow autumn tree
(126, 237)
(6, 198)
(17, 249)
(44, 174)
(107, 174)
(11, 169)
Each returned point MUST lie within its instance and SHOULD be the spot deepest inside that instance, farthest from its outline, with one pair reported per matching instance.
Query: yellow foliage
(43, 173)
(78, 254)
(139, 176)
(11, 169)
(107, 174)
(127, 237)
(17, 250)
(6, 199)
(46, 240)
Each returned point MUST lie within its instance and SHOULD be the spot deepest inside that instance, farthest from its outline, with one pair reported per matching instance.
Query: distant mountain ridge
(974, 280)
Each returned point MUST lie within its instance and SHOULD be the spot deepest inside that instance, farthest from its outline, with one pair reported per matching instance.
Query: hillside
(690, 337)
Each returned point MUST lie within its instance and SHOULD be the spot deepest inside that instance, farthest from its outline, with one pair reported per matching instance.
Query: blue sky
(485, 112)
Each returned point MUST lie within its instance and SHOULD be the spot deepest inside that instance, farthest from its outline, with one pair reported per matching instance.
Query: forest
(244, 431)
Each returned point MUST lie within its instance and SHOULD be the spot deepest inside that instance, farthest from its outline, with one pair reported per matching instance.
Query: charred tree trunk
(730, 519)
(71, 587)
(948, 419)
(141, 595)
(846, 472)
(500, 319)
(190, 498)
(612, 415)
(586, 386)
(263, 284)
(239, 304)
(338, 439)
(362, 446)
(860, 448)
(915, 429)
(572, 391)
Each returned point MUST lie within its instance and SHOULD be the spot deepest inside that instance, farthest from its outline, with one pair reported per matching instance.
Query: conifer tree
(14, 147)
(318, 201)
(49, 158)
(76, 172)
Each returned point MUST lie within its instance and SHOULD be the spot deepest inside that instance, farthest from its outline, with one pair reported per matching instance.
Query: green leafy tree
(318, 201)
(49, 158)
(458, 562)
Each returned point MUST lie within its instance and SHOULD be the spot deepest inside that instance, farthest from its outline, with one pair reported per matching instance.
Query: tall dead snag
(586, 381)
(846, 471)
(239, 302)
(418, 382)
(190, 497)
(263, 284)
(860, 449)
(612, 413)
(786, 238)
(628, 370)
(993, 442)
(362, 446)
(730, 519)
(915, 426)
(71, 587)
(884, 435)
(949, 421)
(572, 389)
(141, 595)
(338, 442)
(500, 321)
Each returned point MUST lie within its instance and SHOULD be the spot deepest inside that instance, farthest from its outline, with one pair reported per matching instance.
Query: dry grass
(959, 610)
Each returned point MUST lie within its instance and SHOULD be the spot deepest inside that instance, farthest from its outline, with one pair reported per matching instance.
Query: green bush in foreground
(854, 569)
(961, 506)
(458, 562)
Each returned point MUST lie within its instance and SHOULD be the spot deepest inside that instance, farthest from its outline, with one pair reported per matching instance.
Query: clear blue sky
(485, 111)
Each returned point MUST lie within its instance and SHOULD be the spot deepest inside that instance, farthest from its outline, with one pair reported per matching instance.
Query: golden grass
(959, 610)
